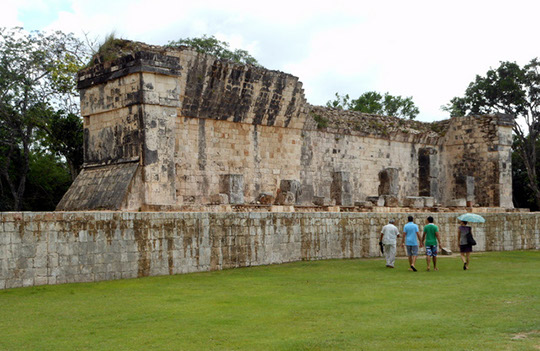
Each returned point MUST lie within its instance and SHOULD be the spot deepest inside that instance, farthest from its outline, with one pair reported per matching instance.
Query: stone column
(340, 190)
(233, 186)
(160, 95)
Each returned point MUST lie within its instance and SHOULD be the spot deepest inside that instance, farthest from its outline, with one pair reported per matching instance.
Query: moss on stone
(321, 121)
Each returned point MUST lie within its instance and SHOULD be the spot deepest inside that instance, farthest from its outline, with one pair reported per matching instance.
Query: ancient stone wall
(66, 247)
(223, 90)
(204, 131)
(478, 161)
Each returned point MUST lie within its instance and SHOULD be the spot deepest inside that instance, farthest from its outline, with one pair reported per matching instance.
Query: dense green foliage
(321, 305)
(212, 46)
(373, 102)
(38, 103)
(514, 90)
(522, 195)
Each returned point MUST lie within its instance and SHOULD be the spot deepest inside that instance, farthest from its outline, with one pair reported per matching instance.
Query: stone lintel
(141, 61)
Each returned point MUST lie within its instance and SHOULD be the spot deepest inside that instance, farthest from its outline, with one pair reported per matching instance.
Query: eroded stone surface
(190, 119)
(66, 247)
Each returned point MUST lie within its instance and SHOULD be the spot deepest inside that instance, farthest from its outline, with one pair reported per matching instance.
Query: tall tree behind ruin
(374, 102)
(37, 74)
(212, 46)
(514, 90)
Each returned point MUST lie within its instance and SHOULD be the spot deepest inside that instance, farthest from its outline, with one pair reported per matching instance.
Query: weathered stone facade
(202, 131)
(65, 247)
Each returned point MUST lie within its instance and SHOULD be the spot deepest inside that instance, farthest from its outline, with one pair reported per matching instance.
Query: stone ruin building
(174, 129)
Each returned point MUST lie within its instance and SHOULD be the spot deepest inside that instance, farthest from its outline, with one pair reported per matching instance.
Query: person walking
(389, 235)
(431, 238)
(465, 248)
(411, 237)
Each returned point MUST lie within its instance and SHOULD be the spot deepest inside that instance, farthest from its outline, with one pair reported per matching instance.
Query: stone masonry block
(458, 203)
(414, 201)
(305, 196)
(340, 189)
(265, 198)
(285, 198)
(363, 204)
(219, 199)
(429, 201)
(289, 185)
(389, 181)
(233, 186)
(321, 201)
(390, 200)
(377, 200)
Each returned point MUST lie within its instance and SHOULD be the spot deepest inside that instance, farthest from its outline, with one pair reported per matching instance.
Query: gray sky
(429, 50)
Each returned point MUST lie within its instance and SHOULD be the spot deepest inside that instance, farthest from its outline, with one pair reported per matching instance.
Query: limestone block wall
(265, 155)
(223, 90)
(478, 160)
(363, 157)
(189, 121)
(208, 149)
(64, 247)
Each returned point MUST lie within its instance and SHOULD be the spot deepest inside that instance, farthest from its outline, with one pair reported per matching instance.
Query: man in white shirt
(389, 235)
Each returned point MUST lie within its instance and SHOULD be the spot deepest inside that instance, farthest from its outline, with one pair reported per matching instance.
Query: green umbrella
(471, 217)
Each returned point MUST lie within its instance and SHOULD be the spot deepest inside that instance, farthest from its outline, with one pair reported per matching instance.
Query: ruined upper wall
(212, 88)
(208, 87)
(478, 160)
(364, 124)
(224, 90)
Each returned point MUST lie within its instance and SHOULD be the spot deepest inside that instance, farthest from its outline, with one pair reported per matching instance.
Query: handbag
(470, 239)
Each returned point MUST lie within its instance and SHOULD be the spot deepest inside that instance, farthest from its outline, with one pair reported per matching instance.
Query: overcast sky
(430, 50)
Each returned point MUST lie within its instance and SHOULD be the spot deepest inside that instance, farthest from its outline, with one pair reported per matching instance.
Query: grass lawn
(320, 305)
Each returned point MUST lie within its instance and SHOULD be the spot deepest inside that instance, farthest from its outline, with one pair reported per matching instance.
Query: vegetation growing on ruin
(318, 305)
(113, 48)
(439, 127)
(321, 121)
(212, 46)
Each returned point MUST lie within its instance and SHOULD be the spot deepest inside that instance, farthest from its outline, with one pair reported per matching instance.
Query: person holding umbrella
(465, 238)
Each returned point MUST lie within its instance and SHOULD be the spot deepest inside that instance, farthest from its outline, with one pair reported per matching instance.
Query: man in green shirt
(431, 237)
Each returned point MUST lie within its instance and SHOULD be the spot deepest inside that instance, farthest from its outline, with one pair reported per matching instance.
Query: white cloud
(429, 50)
(8, 15)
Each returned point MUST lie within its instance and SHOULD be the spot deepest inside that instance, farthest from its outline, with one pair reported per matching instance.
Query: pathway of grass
(323, 305)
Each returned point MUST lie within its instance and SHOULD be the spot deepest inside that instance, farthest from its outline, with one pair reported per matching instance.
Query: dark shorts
(412, 250)
(431, 250)
(465, 248)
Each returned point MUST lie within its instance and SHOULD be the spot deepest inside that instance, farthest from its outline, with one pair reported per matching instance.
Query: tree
(521, 194)
(48, 180)
(514, 90)
(212, 46)
(62, 134)
(37, 73)
(373, 102)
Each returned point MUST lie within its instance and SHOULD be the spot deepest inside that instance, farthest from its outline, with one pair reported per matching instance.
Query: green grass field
(320, 305)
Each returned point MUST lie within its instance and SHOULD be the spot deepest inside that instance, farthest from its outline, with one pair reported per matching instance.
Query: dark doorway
(424, 176)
